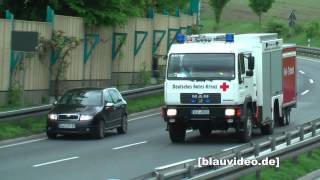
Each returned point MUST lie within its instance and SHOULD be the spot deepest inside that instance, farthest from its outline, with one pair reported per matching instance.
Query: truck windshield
(201, 66)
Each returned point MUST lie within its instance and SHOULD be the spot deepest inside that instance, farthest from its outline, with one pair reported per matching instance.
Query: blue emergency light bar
(180, 38)
(229, 37)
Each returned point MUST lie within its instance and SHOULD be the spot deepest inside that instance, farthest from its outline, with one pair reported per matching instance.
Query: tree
(61, 46)
(217, 6)
(260, 6)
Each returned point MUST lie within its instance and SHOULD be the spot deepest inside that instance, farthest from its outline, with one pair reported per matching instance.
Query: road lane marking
(129, 145)
(24, 142)
(57, 161)
(301, 72)
(311, 81)
(231, 148)
(174, 164)
(141, 117)
(304, 92)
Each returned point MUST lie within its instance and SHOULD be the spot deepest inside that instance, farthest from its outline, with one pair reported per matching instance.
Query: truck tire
(267, 129)
(246, 132)
(177, 132)
(205, 132)
(287, 118)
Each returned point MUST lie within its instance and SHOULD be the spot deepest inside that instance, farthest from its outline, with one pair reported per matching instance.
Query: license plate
(67, 126)
(201, 112)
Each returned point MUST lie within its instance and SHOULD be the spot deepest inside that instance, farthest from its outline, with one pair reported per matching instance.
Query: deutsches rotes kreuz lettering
(195, 86)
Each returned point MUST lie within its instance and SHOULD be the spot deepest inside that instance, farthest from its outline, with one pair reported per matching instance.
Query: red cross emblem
(224, 87)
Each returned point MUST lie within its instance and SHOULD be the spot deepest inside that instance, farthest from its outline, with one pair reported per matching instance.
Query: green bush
(277, 27)
(313, 30)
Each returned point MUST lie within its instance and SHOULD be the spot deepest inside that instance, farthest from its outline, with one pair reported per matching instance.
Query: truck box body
(267, 50)
(289, 75)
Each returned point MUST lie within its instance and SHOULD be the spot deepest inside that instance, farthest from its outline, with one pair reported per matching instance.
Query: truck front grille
(206, 98)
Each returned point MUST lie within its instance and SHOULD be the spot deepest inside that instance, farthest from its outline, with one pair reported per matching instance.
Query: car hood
(63, 109)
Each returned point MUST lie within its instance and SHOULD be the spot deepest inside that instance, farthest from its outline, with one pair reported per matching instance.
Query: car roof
(91, 89)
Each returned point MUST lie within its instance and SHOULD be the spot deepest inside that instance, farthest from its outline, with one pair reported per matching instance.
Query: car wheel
(51, 135)
(124, 125)
(205, 132)
(100, 130)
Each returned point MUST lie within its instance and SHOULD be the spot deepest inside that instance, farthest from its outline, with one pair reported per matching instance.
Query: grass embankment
(289, 169)
(237, 17)
(29, 126)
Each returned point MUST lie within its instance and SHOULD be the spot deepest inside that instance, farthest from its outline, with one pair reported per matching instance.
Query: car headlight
(229, 112)
(53, 116)
(86, 117)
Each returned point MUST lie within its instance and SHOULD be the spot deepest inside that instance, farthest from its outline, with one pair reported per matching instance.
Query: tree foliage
(217, 6)
(94, 12)
(260, 6)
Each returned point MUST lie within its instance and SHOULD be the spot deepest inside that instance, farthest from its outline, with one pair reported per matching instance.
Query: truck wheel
(177, 132)
(279, 120)
(205, 132)
(267, 129)
(246, 132)
(287, 118)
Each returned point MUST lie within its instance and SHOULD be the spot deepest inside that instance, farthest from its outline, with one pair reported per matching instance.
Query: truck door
(246, 86)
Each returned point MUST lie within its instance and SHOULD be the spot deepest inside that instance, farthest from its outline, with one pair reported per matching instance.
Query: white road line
(129, 145)
(231, 148)
(189, 131)
(304, 92)
(20, 143)
(302, 72)
(143, 117)
(57, 161)
(311, 81)
(174, 164)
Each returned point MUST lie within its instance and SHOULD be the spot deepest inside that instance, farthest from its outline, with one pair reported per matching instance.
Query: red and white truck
(217, 82)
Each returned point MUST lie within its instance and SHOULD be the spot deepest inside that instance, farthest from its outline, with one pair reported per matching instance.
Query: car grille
(68, 117)
(206, 98)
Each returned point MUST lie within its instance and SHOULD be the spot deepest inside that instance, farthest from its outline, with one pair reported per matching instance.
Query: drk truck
(217, 82)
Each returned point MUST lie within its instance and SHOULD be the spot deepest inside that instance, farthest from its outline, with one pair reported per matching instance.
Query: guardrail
(289, 144)
(308, 51)
(40, 110)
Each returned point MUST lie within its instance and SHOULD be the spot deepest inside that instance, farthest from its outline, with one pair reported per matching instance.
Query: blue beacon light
(230, 37)
(180, 38)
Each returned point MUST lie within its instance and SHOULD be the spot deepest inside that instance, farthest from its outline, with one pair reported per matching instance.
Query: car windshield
(201, 66)
(82, 98)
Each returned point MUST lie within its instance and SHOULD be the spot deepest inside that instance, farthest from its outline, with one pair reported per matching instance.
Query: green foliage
(277, 27)
(217, 6)
(313, 30)
(61, 46)
(260, 6)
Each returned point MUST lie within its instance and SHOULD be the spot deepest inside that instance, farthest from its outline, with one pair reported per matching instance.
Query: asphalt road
(145, 147)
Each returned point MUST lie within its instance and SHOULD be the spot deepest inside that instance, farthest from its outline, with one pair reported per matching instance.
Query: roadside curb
(43, 135)
(311, 176)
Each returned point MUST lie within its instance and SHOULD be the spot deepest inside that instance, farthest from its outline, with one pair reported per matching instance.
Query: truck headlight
(171, 112)
(52, 116)
(86, 117)
(229, 112)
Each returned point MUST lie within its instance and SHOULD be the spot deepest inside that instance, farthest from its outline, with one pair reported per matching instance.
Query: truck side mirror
(165, 57)
(251, 63)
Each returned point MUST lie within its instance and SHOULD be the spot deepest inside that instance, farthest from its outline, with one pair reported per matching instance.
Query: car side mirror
(249, 73)
(251, 63)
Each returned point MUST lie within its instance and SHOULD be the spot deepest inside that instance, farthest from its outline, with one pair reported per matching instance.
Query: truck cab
(214, 83)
